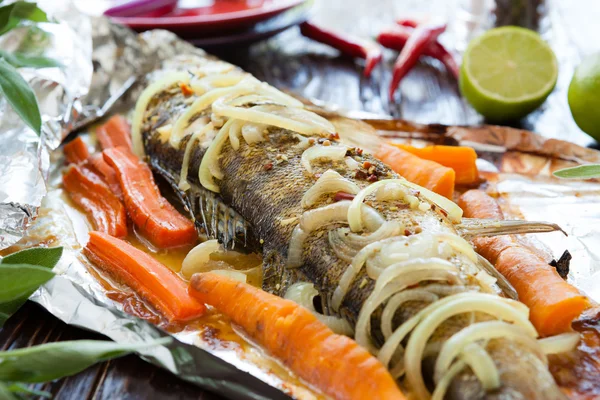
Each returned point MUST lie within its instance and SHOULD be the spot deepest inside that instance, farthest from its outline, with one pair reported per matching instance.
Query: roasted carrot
(76, 151)
(156, 218)
(150, 279)
(553, 303)
(461, 159)
(101, 167)
(428, 174)
(114, 133)
(90, 192)
(335, 364)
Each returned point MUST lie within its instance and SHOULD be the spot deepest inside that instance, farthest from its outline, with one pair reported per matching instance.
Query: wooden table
(313, 70)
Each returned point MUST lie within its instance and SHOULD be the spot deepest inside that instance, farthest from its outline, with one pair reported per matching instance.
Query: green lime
(584, 96)
(507, 73)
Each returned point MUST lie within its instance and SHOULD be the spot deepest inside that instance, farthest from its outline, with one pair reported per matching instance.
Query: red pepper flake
(343, 196)
(406, 232)
(443, 212)
(268, 166)
(359, 151)
(311, 141)
(334, 136)
(367, 165)
(372, 178)
(360, 174)
(186, 89)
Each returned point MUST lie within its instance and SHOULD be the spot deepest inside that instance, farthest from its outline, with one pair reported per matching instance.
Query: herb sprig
(13, 87)
(587, 171)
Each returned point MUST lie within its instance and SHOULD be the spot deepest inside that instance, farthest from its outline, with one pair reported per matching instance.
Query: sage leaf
(6, 394)
(20, 280)
(43, 256)
(20, 60)
(56, 360)
(12, 14)
(587, 171)
(20, 96)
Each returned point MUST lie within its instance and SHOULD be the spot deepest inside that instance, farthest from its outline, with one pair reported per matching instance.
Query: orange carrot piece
(101, 167)
(553, 302)
(114, 133)
(150, 279)
(461, 159)
(88, 191)
(428, 174)
(156, 218)
(335, 364)
(76, 151)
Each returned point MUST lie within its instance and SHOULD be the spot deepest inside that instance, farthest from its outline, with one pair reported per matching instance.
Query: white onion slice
(208, 83)
(451, 208)
(142, 104)
(333, 153)
(234, 133)
(303, 294)
(185, 165)
(351, 163)
(482, 365)
(560, 343)
(210, 160)
(329, 182)
(487, 330)
(440, 389)
(253, 133)
(396, 301)
(195, 260)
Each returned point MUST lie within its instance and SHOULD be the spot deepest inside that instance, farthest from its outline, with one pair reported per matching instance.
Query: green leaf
(20, 280)
(56, 360)
(20, 388)
(43, 256)
(12, 14)
(19, 60)
(588, 171)
(20, 96)
(6, 394)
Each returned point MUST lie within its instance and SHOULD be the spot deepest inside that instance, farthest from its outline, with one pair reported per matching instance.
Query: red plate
(217, 15)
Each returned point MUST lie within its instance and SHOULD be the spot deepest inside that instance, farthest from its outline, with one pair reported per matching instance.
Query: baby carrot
(553, 303)
(335, 364)
(151, 280)
(88, 191)
(115, 132)
(151, 213)
(428, 174)
(461, 159)
(76, 151)
(97, 163)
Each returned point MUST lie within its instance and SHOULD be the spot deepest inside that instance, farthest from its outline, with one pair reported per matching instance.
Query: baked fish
(256, 169)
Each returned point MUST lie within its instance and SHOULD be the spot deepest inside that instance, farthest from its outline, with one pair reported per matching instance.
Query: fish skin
(264, 197)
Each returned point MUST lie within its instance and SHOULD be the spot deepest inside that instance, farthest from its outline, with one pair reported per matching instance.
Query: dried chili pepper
(408, 22)
(397, 37)
(416, 44)
(370, 51)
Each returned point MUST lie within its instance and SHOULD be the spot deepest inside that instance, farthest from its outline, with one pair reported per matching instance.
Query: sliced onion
(183, 183)
(435, 314)
(253, 133)
(303, 293)
(210, 160)
(195, 260)
(208, 83)
(142, 104)
(560, 343)
(452, 209)
(294, 257)
(440, 389)
(333, 153)
(457, 343)
(482, 365)
(234, 133)
(351, 163)
(329, 182)
(397, 300)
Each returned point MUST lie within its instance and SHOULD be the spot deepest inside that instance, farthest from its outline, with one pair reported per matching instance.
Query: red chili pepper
(418, 41)
(339, 196)
(370, 51)
(410, 23)
(396, 39)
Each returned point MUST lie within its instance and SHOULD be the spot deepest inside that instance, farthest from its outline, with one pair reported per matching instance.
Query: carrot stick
(101, 167)
(157, 220)
(428, 174)
(553, 303)
(114, 133)
(76, 151)
(88, 191)
(461, 159)
(151, 280)
(335, 364)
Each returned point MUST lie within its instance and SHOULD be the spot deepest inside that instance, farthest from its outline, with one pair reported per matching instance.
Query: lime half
(507, 73)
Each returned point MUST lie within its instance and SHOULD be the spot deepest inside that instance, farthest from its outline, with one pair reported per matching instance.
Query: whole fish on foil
(256, 169)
